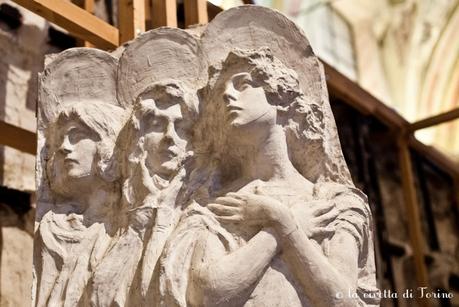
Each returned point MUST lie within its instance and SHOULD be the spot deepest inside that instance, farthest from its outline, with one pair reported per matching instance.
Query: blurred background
(389, 63)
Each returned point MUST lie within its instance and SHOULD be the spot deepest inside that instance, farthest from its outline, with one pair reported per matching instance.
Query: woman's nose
(66, 146)
(230, 94)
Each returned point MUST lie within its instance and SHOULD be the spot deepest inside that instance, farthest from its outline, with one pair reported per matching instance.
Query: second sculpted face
(246, 103)
(166, 135)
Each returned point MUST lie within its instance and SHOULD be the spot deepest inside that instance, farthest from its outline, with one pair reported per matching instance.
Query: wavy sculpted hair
(300, 117)
(103, 119)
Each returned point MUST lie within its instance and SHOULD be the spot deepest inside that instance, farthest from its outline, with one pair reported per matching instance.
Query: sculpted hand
(253, 209)
(142, 212)
(145, 174)
(316, 217)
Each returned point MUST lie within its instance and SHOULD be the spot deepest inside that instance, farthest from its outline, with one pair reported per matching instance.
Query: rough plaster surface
(197, 171)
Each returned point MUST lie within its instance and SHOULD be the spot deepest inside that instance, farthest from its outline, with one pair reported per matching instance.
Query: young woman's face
(75, 155)
(245, 103)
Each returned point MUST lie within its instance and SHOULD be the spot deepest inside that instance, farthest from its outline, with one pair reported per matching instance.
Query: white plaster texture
(197, 171)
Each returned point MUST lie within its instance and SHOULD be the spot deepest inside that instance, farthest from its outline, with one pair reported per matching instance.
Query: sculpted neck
(100, 203)
(267, 157)
(96, 203)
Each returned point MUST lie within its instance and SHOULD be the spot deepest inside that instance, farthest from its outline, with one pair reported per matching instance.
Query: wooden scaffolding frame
(81, 23)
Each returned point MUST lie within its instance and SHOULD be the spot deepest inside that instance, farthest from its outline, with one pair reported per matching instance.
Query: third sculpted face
(74, 159)
(166, 140)
(77, 147)
(246, 103)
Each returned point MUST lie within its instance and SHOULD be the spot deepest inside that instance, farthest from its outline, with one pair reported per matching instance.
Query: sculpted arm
(321, 277)
(324, 277)
(218, 276)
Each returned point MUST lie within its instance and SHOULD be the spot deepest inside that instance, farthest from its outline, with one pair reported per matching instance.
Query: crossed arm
(219, 276)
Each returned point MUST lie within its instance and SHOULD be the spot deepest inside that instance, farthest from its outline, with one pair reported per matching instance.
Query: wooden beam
(213, 10)
(434, 120)
(413, 214)
(456, 194)
(131, 19)
(195, 12)
(164, 13)
(76, 20)
(88, 5)
(18, 138)
(147, 15)
(436, 157)
(352, 94)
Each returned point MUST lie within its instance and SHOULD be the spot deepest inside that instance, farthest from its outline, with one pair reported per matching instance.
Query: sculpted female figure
(73, 236)
(153, 154)
(78, 201)
(158, 75)
(272, 238)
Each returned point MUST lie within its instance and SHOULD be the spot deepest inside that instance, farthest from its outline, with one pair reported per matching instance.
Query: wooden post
(164, 13)
(195, 12)
(148, 22)
(76, 20)
(131, 19)
(88, 5)
(456, 192)
(413, 214)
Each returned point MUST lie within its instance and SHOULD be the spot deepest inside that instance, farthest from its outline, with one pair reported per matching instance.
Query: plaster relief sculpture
(270, 224)
(159, 73)
(76, 214)
(211, 170)
(265, 235)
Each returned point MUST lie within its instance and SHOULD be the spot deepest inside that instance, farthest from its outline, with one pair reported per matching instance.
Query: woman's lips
(233, 110)
(70, 160)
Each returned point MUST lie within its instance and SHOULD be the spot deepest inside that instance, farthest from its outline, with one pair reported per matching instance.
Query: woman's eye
(76, 135)
(243, 84)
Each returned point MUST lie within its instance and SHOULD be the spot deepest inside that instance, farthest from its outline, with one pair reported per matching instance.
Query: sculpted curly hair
(300, 117)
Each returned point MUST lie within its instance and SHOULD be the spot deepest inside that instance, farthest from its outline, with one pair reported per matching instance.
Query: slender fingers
(322, 231)
(146, 178)
(326, 218)
(239, 195)
(230, 219)
(230, 201)
(222, 210)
